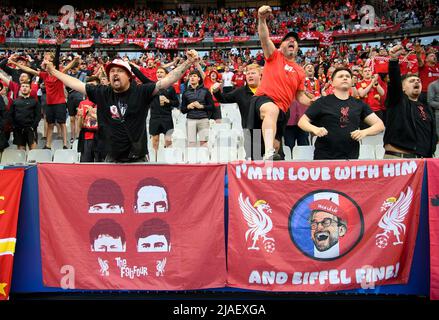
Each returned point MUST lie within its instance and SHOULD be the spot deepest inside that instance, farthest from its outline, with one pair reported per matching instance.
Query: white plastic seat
(287, 152)
(75, 145)
(197, 155)
(379, 151)
(13, 156)
(367, 152)
(170, 155)
(66, 156)
(373, 140)
(223, 154)
(303, 153)
(57, 145)
(39, 155)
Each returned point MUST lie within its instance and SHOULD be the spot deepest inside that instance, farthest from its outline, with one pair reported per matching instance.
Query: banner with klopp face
(322, 226)
(132, 227)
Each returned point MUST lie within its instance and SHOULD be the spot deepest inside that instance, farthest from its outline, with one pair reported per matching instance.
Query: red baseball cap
(329, 207)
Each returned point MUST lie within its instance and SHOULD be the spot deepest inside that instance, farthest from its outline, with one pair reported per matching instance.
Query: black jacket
(200, 94)
(158, 111)
(401, 128)
(25, 113)
(242, 97)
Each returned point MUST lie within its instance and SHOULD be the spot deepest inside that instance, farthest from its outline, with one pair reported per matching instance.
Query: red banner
(141, 42)
(132, 227)
(80, 44)
(222, 39)
(241, 39)
(380, 64)
(309, 35)
(10, 193)
(433, 210)
(322, 226)
(191, 40)
(46, 41)
(112, 41)
(166, 43)
(326, 39)
(276, 39)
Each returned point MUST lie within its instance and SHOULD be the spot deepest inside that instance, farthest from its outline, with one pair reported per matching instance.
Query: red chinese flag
(10, 193)
(133, 227)
(322, 226)
(433, 210)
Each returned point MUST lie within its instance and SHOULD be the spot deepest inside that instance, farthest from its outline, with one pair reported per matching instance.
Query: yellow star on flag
(2, 288)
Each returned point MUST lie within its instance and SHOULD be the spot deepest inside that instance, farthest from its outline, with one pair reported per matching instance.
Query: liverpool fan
(283, 80)
(25, 115)
(411, 129)
(371, 91)
(335, 120)
(123, 106)
(428, 71)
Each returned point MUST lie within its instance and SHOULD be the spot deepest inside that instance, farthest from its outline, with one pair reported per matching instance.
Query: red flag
(191, 40)
(112, 41)
(132, 228)
(10, 193)
(46, 41)
(276, 39)
(222, 39)
(433, 210)
(79, 44)
(380, 64)
(326, 39)
(241, 39)
(322, 226)
(166, 43)
(309, 35)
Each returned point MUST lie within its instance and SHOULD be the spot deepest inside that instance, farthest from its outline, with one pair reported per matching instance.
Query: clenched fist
(264, 12)
(396, 51)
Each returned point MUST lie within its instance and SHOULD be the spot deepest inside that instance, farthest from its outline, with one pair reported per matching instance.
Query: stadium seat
(197, 155)
(75, 145)
(379, 151)
(303, 153)
(374, 140)
(367, 152)
(66, 156)
(287, 152)
(170, 155)
(13, 156)
(57, 145)
(39, 155)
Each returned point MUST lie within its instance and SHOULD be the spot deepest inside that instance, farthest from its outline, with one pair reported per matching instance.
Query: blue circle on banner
(301, 233)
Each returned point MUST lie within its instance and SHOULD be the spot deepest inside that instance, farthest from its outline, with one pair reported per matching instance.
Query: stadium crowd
(134, 23)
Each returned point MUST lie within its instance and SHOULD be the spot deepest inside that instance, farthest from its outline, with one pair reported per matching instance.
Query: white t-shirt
(227, 79)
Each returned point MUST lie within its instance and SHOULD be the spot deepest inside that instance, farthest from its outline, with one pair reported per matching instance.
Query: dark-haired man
(335, 120)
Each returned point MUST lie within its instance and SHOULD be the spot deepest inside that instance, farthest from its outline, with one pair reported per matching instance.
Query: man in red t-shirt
(371, 91)
(428, 71)
(238, 79)
(283, 81)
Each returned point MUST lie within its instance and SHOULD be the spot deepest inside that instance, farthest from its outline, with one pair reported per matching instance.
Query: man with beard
(283, 81)
(328, 224)
(123, 106)
(410, 128)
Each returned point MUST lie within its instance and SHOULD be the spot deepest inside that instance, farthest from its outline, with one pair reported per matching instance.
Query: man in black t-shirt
(335, 120)
(123, 106)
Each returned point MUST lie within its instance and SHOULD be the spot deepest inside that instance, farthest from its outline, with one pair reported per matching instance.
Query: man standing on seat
(283, 81)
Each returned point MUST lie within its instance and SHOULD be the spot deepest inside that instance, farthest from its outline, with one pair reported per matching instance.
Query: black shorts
(72, 105)
(56, 113)
(254, 117)
(25, 136)
(158, 126)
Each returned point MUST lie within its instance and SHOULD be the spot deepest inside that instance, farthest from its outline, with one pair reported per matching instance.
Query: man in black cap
(283, 81)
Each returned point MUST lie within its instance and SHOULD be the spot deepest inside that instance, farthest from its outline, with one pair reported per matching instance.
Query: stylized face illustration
(153, 243)
(106, 208)
(106, 243)
(325, 230)
(151, 199)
